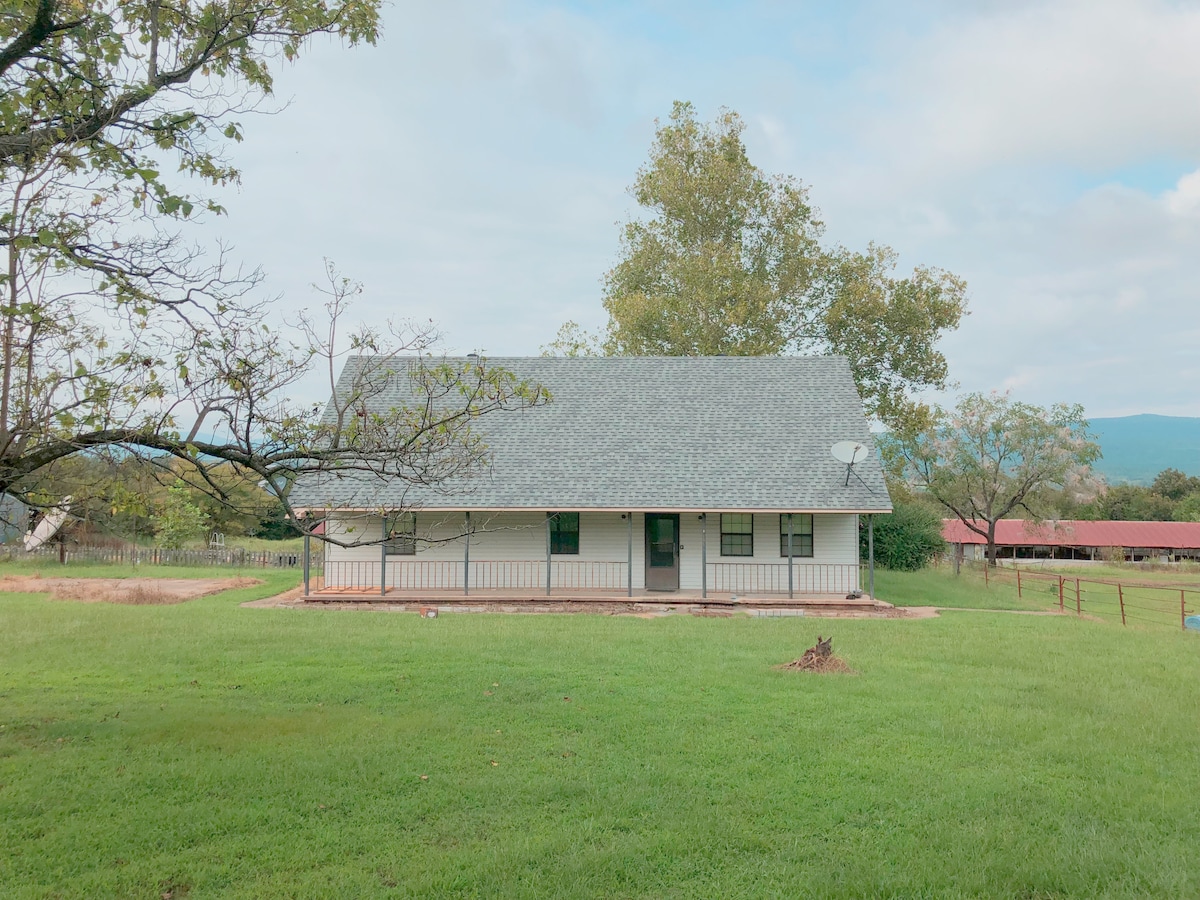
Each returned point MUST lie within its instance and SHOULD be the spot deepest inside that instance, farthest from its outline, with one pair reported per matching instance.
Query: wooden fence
(160, 556)
(1129, 602)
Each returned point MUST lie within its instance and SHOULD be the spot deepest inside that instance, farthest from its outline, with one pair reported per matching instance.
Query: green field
(207, 750)
(968, 590)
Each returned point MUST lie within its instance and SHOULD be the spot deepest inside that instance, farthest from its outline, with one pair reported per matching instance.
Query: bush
(906, 539)
(179, 520)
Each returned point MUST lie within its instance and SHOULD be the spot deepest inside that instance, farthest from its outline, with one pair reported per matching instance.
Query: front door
(662, 551)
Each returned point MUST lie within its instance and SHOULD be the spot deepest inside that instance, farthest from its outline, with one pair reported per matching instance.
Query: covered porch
(593, 553)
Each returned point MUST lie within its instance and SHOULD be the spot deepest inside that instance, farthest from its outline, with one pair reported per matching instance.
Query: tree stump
(819, 658)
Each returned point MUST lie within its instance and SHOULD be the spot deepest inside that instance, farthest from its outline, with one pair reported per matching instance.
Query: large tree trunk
(991, 544)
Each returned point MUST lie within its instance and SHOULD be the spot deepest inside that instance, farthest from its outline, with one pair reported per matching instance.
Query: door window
(662, 542)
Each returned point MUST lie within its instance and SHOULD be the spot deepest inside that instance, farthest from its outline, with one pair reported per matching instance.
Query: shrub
(179, 520)
(906, 539)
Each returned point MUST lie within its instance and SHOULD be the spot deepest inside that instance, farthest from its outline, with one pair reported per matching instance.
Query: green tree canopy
(179, 520)
(1173, 495)
(117, 336)
(992, 457)
(906, 539)
(729, 260)
(1175, 485)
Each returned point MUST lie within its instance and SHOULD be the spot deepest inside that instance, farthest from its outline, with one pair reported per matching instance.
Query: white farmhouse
(709, 475)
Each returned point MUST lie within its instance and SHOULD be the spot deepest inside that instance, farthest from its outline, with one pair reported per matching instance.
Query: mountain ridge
(1138, 447)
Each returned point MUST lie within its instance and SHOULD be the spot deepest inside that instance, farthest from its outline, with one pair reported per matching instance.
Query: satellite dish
(849, 452)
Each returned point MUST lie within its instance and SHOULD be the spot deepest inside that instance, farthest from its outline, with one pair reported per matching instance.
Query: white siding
(506, 550)
(509, 550)
(835, 553)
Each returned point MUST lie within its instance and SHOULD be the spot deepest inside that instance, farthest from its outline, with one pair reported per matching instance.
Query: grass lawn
(287, 545)
(967, 590)
(205, 750)
(1155, 608)
(1180, 573)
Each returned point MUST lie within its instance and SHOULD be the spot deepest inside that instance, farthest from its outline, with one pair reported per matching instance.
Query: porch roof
(651, 433)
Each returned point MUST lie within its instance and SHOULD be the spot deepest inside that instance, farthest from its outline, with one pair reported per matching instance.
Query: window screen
(564, 532)
(402, 535)
(737, 534)
(802, 534)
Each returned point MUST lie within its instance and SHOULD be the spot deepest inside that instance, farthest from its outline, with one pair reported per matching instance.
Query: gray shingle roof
(706, 433)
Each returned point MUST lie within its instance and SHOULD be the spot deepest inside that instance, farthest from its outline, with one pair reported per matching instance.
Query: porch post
(629, 580)
(307, 557)
(383, 555)
(871, 554)
(791, 593)
(704, 556)
(467, 556)
(549, 516)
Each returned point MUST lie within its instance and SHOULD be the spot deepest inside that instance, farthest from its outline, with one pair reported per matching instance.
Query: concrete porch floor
(562, 599)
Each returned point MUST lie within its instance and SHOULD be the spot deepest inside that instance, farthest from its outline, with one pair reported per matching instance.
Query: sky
(473, 167)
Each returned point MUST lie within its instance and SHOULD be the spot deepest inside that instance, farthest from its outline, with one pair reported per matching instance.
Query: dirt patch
(288, 599)
(131, 591)
(820, 659)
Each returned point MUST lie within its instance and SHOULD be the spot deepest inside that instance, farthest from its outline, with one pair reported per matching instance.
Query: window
(564, 532)
(737, 534)
(402, 535)
(802, 534)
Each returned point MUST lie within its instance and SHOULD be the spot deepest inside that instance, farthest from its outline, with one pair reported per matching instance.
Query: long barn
(1077, 540)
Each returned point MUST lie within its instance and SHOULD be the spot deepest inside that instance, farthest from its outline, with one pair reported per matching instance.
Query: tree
(1188, 509)
(729, 261)
(1169, 497)
(992, 457)
(179, 519)
(1174, 485)
(119, 338)
(1130, 503)
(906, 539)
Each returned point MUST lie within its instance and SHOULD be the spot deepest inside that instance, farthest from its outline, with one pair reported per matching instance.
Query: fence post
(1078, 605)
(1060, 593)
(1182, 612)
(1121, 599)
(1015, 566)
(987, 564)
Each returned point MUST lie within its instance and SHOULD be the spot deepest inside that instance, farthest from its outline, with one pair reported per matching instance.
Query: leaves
(730, 261)
(992, 457)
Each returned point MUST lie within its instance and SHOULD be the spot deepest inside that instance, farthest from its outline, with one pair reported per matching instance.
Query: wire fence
(161, 556)
(1128, 602)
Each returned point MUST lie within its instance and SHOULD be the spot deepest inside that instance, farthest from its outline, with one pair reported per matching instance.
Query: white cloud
(1089, 83)
(1184, 198)
(472, 167)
